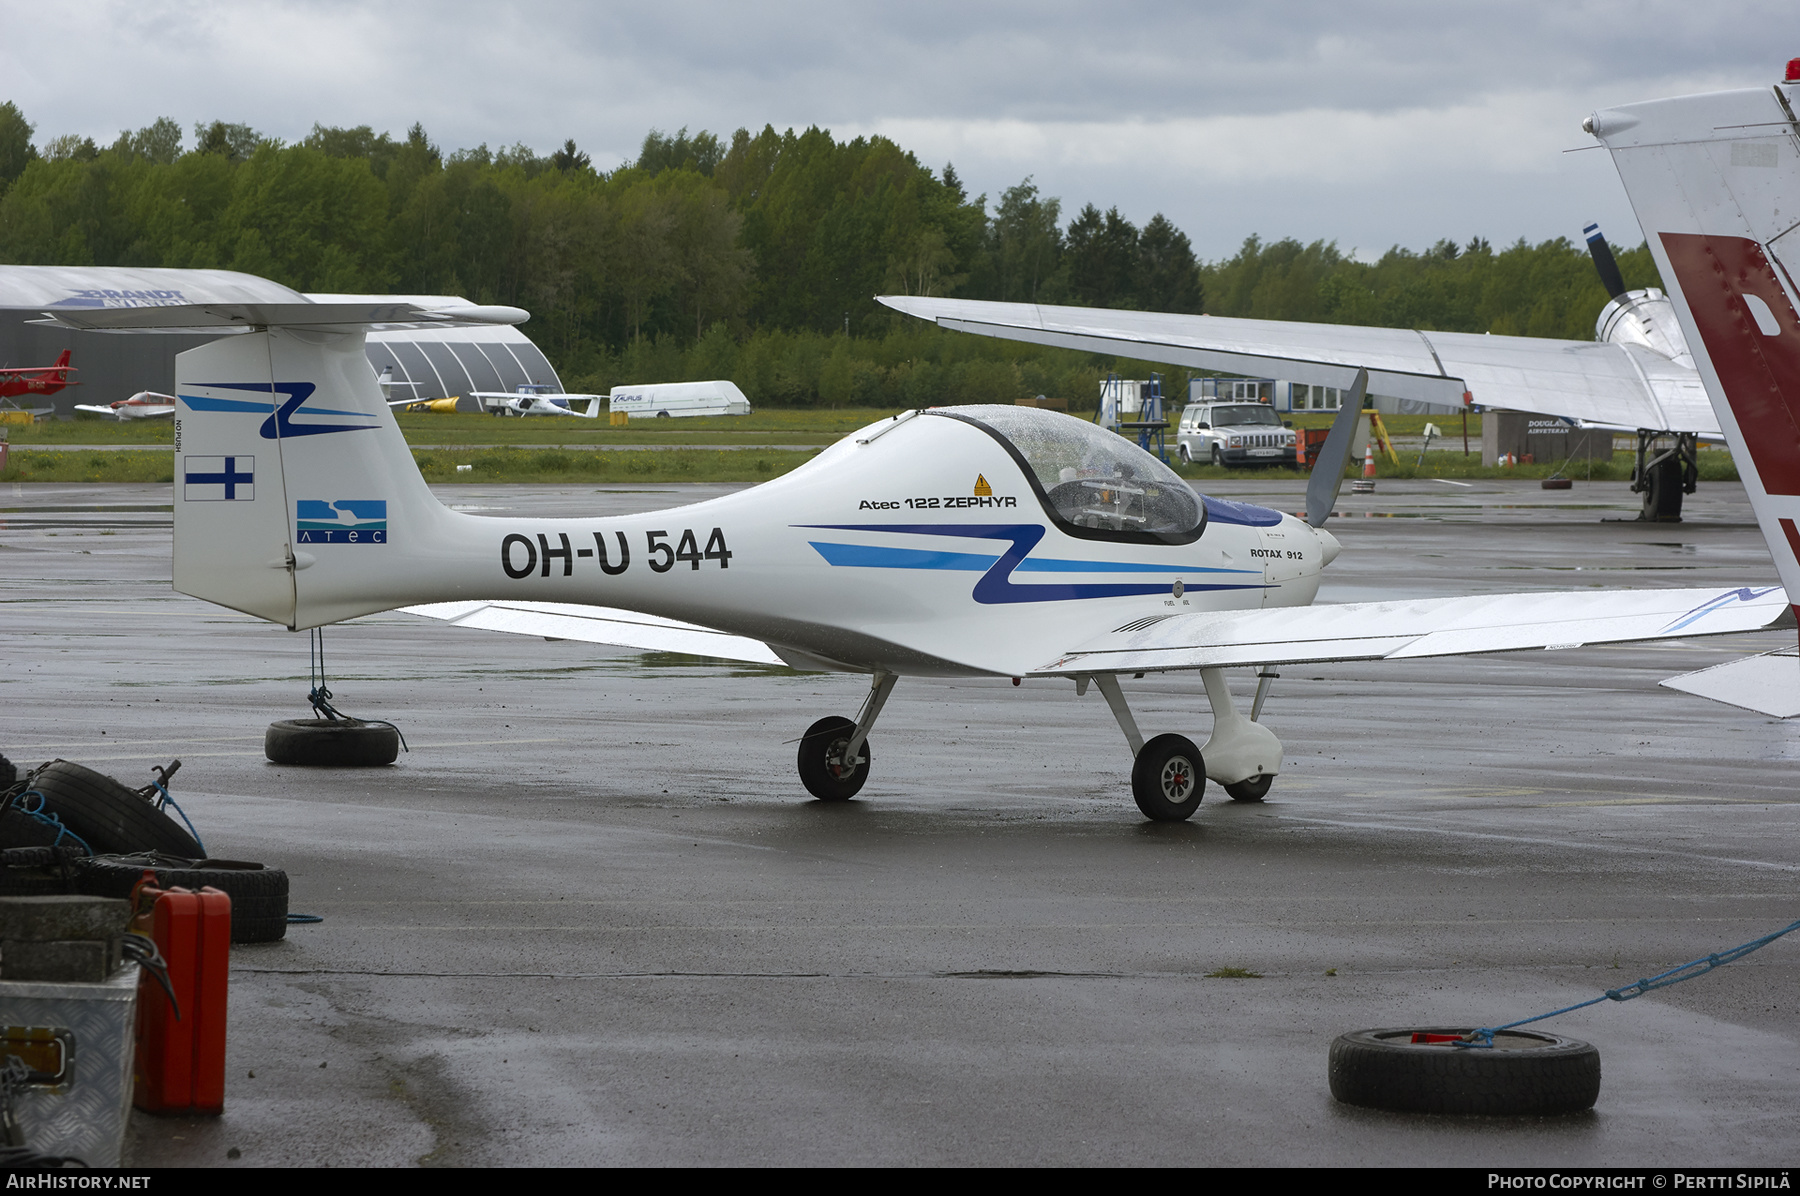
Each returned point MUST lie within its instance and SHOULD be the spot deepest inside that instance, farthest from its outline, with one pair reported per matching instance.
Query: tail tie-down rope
(320, 696)
(1695, 967)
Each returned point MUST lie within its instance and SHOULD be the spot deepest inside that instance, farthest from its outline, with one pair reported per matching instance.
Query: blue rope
(166, 800)
(30, 811)
(1625, 992)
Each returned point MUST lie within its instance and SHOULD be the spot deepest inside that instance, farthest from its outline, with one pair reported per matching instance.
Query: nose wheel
(827, 769)
(834, 752)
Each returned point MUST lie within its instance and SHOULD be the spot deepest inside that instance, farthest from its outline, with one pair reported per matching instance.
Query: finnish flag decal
(218, 479)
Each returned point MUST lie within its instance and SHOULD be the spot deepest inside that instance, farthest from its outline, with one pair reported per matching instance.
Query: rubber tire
(1371, 1069)
(1662, 493)
(662, 415)
(108, 816)
(820, 778)
(1181, 451)
(1254, 789)
(339, 743)
(259, 895)
(1218, 457)
(19, 830)
(1164, 791)
(37, 871)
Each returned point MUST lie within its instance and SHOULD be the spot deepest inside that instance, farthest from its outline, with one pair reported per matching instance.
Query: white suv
(1233, 434)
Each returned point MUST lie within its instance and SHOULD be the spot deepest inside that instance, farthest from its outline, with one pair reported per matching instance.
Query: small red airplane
(38, 379)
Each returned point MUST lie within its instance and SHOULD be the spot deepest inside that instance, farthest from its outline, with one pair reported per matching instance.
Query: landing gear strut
(1169, 772)
(1664, 472)
(834, 752)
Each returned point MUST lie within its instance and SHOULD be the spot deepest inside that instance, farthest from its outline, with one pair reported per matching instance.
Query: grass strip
(551, 466)
(485, 465)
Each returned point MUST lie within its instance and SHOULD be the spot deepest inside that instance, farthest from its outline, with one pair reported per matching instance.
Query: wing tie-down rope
(1484, 1038)
(320, 696)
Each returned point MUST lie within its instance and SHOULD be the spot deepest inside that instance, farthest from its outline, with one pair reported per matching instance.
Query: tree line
(754, 258)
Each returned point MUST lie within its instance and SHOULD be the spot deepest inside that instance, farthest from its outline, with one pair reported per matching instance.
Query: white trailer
(669, 399)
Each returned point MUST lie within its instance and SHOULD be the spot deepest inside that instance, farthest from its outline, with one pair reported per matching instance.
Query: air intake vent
(1140, 624)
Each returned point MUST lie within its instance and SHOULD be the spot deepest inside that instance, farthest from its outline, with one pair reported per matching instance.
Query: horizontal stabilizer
(1768, 684)
(598, 625)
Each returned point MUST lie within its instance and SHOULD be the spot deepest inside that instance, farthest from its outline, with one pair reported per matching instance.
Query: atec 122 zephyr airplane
(959, 541)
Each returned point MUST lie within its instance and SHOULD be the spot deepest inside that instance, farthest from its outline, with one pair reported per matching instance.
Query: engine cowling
(1644, 318)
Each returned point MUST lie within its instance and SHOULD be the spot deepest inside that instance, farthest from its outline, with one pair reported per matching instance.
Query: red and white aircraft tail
(1715, 182)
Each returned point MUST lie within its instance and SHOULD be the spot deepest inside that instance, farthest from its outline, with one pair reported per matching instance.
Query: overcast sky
(1368, 124)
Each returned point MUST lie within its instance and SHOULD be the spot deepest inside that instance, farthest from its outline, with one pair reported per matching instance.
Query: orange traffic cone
(1368, 460)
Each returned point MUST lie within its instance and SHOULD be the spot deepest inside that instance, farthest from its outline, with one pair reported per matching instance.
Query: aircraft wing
(1429, 627)
(598, 625)
(1613, 384)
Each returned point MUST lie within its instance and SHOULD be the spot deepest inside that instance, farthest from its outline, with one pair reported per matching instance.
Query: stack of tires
(65, 828)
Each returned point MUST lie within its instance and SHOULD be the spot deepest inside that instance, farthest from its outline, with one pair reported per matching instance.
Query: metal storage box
(81, 1109)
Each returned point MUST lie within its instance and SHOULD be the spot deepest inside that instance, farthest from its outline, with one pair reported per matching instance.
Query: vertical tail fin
(1715, 182)
(296, 497)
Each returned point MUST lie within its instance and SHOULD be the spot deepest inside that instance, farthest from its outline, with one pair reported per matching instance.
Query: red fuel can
(181, 1060)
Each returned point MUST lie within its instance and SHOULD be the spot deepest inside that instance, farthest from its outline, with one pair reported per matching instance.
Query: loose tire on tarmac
(1167, 779)
(823, 742)
(342, 742)
(107, 815)
(1523, 1074)
(259, 895)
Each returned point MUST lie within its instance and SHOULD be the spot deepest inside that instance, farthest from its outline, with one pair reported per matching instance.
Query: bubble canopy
(1094, 484)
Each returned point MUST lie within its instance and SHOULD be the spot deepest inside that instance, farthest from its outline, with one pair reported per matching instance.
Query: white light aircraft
(145, 404)
(537, 400)
(961, 541)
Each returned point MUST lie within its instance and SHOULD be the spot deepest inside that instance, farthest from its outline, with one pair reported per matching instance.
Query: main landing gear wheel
(1427, 1071)
(1167, 779)
(822, 767)
(1254, 789)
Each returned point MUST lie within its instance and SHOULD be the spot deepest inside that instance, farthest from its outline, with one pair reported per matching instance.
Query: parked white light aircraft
(982, 540)
(1636, 376)
(145, 404)
(537, 400)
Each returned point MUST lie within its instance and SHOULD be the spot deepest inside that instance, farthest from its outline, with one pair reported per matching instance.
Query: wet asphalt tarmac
(592, 918)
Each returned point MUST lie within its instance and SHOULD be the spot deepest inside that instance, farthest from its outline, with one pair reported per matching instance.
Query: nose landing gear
(834, 753)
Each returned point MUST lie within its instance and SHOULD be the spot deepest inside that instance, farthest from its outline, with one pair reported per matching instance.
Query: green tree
(1102, 254)
(1168, 277)
(16, 150)
(1026, 242)
(570, 158)
(236, 142)
(158, 142)
(700, 153)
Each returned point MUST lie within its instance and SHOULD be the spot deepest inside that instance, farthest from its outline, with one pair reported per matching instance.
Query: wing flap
(1432, 627)
(598, 625)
